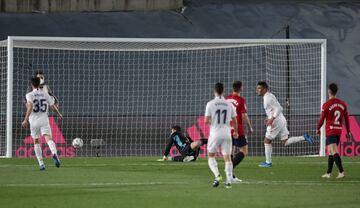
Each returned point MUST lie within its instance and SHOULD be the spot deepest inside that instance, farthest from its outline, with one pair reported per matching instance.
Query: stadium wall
(18, 6)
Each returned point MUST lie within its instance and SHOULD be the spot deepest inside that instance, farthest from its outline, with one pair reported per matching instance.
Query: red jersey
(335, 112)
(240, 106)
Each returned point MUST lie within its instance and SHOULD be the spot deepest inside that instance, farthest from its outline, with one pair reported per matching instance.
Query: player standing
(46, 88)
(37, 115)
(276, 123)
(218, 114)
(334, 111)
(241, 115)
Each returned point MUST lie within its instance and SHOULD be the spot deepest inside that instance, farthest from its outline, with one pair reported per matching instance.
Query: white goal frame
(10, 46)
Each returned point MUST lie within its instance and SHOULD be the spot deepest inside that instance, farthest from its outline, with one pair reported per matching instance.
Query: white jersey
(272, 106)
(273, 109)
(221, 112)
(41, 102)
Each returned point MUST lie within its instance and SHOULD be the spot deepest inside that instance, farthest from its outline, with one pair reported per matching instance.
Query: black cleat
(217, 181)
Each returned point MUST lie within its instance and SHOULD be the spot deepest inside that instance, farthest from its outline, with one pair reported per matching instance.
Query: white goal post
(120, 95)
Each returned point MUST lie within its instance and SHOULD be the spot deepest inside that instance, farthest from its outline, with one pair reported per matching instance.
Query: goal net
(122, 95)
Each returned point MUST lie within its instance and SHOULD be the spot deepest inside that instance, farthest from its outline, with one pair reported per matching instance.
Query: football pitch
(143, 182)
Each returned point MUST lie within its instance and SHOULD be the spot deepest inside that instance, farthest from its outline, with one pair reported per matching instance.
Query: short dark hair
(263, 84)
(219, 88)
(35, 81)
(237, 86)
(39, 72)
(333, 88)
(176, 127)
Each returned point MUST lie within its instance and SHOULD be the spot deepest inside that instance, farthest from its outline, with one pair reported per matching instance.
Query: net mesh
(121, 98)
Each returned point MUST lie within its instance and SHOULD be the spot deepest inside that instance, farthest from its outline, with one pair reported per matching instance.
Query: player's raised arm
(40, 74)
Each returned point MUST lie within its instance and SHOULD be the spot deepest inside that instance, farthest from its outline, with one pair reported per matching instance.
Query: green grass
(143, 182)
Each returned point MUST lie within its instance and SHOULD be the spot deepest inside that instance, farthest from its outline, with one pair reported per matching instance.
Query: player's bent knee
(195, 145)
(227, 158)
(332, 149)
(244, 150)
(267, 141)
(211, 154)
(47, 137)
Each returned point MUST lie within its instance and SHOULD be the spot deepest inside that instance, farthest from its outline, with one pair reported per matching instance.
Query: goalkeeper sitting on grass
(188, 149)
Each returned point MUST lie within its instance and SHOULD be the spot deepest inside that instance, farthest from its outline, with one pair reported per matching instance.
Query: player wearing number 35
(334, 111)
(37, 103)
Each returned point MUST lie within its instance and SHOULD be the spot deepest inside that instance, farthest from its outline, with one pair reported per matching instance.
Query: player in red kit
(334, 111)
(240, 144)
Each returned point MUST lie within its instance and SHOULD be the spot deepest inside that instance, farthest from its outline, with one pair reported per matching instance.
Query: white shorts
(38, 130)
(222, 141)
(278, 130)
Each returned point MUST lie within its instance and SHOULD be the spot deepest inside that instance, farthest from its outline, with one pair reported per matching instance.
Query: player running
(334, 111)
(37, 103)
(188, 149)
(218, 114)
(241, 115)
(276, 123)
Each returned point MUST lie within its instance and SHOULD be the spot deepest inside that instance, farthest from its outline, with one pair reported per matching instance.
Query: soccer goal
(121, 95)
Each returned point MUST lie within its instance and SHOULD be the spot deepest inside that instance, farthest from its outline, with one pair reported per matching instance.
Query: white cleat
(164, 159)
(341, 175)
(326, 175)
(228, 184)
(188, 159)
(236, 181)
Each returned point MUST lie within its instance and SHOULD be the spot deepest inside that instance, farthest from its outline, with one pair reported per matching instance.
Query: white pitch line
(89, 184)
(301, 183)
(245, 182)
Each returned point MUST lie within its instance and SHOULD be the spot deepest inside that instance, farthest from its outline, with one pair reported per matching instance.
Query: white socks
(52, 147)
(229, 171)
(213, 166)
(293, 140)
(268, 151)
(38, 153)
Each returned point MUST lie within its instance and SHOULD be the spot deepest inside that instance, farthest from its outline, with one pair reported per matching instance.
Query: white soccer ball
(77, 143)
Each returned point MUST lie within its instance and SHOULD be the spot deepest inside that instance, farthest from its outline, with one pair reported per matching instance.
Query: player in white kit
(37, 103)
(218, 114)
(276, 123)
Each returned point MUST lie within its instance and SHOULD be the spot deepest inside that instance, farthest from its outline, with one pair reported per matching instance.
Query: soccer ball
(77, 143)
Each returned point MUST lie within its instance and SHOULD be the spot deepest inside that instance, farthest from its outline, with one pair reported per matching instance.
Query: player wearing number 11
(37, 103)
(218, 114)
(334, 111)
